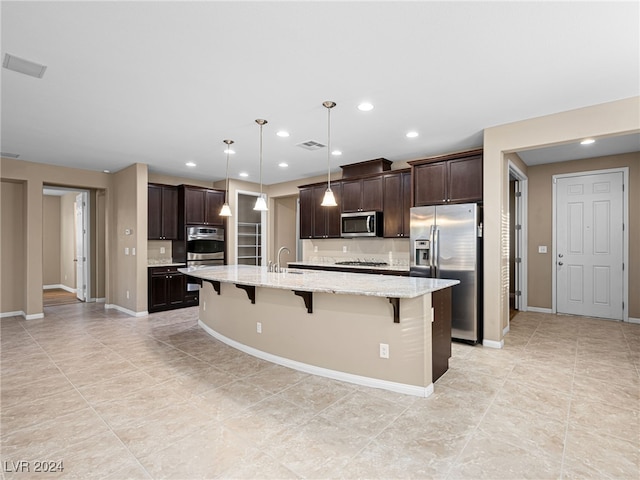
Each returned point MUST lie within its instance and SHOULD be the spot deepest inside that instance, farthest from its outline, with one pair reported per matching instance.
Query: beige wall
(68, 240)
(622, 116)
(540, 224)
(23, 239)
(284, 231)
(129, 285)
(12, 246)
(51, 240)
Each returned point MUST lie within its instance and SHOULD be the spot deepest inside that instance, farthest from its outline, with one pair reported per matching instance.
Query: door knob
(560, 255)
(560, 263)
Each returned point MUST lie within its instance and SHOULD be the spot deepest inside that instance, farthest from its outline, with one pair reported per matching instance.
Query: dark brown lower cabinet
(168, 290)
(440, 332)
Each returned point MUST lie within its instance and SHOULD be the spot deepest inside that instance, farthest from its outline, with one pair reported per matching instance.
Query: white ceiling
(164, 83)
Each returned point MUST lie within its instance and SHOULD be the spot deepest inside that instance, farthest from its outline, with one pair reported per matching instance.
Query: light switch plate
(542, 249)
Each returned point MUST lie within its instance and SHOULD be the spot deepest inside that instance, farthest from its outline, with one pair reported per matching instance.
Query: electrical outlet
(162, 250)
(344, 249)
(259, 327)
(126, 250)
(133, 251)
(315, 249)
(127, 293)
(384, 350)
(204, 306)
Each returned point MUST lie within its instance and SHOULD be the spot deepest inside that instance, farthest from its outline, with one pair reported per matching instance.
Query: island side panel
(343, 333)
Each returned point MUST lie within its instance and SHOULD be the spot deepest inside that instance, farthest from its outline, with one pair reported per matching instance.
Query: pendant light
(329, 199)
(261, 204)
(225, 211)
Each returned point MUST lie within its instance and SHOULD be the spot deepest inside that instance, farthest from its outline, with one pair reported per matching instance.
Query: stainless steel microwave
(361, 224)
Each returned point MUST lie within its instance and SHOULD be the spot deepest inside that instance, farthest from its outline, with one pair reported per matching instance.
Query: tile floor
(117, 397)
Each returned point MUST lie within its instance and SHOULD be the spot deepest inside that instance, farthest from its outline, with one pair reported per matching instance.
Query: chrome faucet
(278, 268)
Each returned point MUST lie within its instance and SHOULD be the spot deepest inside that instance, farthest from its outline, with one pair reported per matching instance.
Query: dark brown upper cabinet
(397, 204)
(455, 178)
(317, 221)
(202, 206)
(162, 212)
(362, 195)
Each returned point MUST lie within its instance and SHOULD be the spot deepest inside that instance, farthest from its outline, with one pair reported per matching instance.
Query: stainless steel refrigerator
(446, 242)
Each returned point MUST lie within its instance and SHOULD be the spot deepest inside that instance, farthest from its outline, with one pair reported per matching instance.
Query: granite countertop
(391, 268)
(322, 281)
(168, 263)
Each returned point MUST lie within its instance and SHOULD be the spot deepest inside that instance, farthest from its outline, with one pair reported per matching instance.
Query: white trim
(540, 309)
(34, 316)
(322, 372)
(625, 233)
(59, 285)
(17, 313)
(493, 343)
(524, 208)
(506, 329)
(634, 320)
(125, 310)
(101, 300)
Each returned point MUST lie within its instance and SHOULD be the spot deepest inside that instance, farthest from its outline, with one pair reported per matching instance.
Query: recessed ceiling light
(587, 141)
(282, 133)
(283, 164)
(365, 107)
(336, 152)
(229, 151)
(190, 164)
(243, 174)
(412, 134)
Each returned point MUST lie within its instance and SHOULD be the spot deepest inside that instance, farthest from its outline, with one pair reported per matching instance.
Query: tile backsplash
(394, 251)
(159, 251)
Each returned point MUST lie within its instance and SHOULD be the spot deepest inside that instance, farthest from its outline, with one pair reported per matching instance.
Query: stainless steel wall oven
(205, 246)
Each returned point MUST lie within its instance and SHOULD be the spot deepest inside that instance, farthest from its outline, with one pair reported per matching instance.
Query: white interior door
(589, 245)
(81, 246)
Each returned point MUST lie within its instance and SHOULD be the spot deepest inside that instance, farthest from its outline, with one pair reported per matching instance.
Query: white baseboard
(634, 320)
(59, 285)
(322, 372)
(17, 313)
(126, 310)
(540, 310)
(506, 330)
(493, 343)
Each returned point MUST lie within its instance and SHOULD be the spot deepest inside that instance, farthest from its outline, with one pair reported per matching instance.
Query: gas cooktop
(359, 263)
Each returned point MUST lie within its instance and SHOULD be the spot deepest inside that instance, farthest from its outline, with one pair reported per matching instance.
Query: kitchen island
(332, 324)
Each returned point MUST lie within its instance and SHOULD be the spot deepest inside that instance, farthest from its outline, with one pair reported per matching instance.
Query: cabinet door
(176, 288)
(154, 212)
(157, 291)
(332, 214)
(194, 206)
(372, 194)
(393, 205)
(406, 204)
(351, 195)
(213, 203)
(319, 213)
(170, 213)
(306, 213)
(465, 180)
(430, 184)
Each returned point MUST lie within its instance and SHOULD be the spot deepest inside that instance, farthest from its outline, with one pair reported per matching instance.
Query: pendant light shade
(225, 211)
(261, 204)
(329, 199)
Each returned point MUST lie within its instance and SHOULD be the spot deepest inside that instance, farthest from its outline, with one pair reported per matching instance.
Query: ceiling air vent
(21, 65)
(311, 145)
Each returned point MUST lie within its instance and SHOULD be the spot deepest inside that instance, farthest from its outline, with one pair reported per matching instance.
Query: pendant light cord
(329, 148)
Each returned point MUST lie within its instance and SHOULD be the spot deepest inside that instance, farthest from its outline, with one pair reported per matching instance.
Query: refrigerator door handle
(433, 273)
(436, 252)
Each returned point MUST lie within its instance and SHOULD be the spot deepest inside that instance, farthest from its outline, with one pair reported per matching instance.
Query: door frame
(263, 225)
(84, 239)
(521, 214)
(625, 233)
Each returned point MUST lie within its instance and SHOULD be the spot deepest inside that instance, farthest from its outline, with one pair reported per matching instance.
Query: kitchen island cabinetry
(201, 206)
(455, 178)
(362, 195)
(397, 204)
(317, 221)
(167, 289)
(162, 212)
(328, 323)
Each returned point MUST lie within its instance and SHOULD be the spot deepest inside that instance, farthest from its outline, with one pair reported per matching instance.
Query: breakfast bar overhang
(331, 323)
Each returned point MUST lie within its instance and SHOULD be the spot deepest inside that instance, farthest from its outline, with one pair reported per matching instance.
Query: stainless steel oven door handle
(370, 224)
